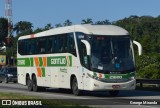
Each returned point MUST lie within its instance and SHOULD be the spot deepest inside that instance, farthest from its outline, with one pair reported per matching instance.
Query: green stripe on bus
(131, 74)
(70, 58)
(51, 61)
(43, 72)
(95, 74)
(107, 76)
(23, 62)
(40, 61)
(31, 62)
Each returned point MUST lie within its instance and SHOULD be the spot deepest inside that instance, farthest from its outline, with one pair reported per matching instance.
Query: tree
(3, 29)
(47, 27)
(146, 30)
(23, 28)
(38, 30)
(105, 22)
(87, 21)
(67, 23)
(58, 25)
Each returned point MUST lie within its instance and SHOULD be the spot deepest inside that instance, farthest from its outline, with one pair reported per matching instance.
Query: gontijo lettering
(58, 61)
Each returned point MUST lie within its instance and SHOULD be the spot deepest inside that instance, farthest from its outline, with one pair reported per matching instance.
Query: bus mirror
(88, 47)
(139, 47)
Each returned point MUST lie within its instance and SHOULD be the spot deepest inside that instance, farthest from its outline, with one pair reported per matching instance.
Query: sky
(42, 12)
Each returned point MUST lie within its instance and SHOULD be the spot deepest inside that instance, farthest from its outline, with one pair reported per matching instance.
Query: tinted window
(41, 45)
(21, 47)
(71, 44)
(63, 43)
(31, 44)
(50, 45)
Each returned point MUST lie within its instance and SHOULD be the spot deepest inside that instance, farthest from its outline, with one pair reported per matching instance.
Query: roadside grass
(47, 103)
(148, 87)
(15, 96)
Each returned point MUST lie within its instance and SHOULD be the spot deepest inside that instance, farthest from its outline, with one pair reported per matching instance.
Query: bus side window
(71, 44)
(25, 47)
(49, 45)
(56, 42)
(61, 43)
(41, 46)
(21, 47)
(31, 46)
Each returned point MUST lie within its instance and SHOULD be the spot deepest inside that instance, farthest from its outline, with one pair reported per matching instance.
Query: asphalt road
(102, 99)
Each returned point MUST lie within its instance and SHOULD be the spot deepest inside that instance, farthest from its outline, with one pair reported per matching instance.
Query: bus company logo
(60, 61)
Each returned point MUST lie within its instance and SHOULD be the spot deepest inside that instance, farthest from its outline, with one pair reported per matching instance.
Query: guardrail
(148, 81)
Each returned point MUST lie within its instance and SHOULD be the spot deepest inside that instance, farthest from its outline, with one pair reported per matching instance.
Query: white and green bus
(78, 57)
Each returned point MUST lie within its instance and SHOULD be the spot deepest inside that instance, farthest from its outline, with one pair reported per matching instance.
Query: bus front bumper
(98, 85)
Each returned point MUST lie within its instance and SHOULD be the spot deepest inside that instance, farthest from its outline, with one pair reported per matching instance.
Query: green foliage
(67, 23)
(23, 28)
(58, 25)
(87, 21)
(105, 22)
(146, 30)
(148, 66)
(3, 29)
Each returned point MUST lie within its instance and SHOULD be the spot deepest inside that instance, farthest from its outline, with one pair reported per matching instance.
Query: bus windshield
(111, 54)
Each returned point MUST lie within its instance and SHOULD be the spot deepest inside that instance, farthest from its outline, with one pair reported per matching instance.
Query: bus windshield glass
(110, 53)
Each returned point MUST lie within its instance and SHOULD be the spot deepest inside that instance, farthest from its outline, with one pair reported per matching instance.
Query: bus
(78, 57)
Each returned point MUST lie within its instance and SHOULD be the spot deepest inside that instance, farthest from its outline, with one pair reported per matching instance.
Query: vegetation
(148, 87)
(15, 96)
(144, 29)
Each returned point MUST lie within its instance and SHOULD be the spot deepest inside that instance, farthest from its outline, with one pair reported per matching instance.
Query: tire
(29, 84)
(74, 88)
(6, 80)
(114, 93)
(0, 81)
(35, 87)
(15, 81)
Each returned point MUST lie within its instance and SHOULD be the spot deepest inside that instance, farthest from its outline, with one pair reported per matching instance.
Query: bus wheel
(114, 92)
(75, 89)
(29, 84)
(35, 87)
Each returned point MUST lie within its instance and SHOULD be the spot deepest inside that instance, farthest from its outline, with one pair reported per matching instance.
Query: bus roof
(85, 28)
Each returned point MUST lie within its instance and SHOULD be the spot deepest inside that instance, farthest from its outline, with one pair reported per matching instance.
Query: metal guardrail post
(141, 84)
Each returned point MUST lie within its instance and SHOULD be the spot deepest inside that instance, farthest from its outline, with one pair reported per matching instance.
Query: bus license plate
(115, 86)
